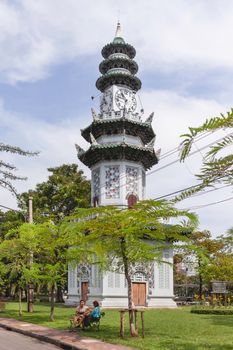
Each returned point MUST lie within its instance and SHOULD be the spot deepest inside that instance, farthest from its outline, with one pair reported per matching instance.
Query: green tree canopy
(117, 239)
(66, 189)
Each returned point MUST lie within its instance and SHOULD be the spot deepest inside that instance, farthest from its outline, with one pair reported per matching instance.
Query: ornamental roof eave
(112, 62)
(101, 127)
(121, 151)
(118, 47)
(118, 78)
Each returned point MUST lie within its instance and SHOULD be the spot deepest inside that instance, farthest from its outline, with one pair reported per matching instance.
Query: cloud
(169, 35)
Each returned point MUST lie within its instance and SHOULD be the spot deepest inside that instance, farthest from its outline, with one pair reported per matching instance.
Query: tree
(15, 254)
(216, 166)
(52, 258)
(207, 252)
(66, 189)
(9, 220)
(7, 170)
(121, 238)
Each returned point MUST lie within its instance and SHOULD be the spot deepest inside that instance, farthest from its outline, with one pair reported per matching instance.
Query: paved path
(63, 339)
(15, 341)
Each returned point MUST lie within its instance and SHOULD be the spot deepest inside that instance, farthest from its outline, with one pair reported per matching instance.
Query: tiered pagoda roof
(118, 68)
(122, 151)
(116, 126)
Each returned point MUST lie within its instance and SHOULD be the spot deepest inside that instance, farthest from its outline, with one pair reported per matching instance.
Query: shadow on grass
(220, 320)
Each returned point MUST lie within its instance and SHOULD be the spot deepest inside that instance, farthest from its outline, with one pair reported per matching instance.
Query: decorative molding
(148, 270)
(112, 181)
(84, 273)
(94, 115)
(96, 182)
(131, 180)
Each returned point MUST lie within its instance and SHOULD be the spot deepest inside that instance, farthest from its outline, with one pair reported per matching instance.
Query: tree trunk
(20, 302)
(200, 281)
(59, 294)
(200, 286)
(133, 331)
(52, 302)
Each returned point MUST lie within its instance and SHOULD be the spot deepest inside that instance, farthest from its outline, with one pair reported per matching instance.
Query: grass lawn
(165, 329)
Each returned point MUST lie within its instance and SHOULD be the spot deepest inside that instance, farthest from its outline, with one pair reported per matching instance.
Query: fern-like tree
(218, 161)
(118, 239)
(7, 170)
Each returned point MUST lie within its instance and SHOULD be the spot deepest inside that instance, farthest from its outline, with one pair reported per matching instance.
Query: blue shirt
(96, 312)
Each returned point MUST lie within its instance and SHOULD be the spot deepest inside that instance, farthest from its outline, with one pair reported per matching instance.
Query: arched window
(132, 200)
(139, 277)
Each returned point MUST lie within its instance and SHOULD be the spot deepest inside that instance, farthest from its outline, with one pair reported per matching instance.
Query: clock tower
(121, 151)
(121, 142)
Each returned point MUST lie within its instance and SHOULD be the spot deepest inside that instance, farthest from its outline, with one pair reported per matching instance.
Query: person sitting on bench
(81, 312)
(93, 316)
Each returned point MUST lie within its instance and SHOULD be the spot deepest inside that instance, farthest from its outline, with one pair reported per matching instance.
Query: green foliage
(6, 169)
(208, 310)
(215, 168)
(103, 234)
(9, 221)
(66, 189)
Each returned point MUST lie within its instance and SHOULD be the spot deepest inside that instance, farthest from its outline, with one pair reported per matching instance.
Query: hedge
(212, 311)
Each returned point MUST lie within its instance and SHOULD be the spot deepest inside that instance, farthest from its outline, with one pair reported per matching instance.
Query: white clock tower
(121, 151)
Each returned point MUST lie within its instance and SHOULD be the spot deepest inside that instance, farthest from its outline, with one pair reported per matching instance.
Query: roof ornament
(93, 140)
(118, 30)
(158, 153)
(118, 39)
(94, 115)
(150, 118)
(151, 144)
(79, 150)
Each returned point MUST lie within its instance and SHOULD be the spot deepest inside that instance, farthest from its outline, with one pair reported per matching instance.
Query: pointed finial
(118, 30)
(158, 153)
(93, 140)
(150, 118)
(118, 39)
(151, 144)
(79, 150)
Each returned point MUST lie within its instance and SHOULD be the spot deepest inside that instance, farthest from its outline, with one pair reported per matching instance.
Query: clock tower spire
(121, 148)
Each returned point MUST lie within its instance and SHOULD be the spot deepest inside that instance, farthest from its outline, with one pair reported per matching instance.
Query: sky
(49, 56)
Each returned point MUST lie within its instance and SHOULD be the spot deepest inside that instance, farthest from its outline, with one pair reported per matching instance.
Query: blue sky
(49, 56)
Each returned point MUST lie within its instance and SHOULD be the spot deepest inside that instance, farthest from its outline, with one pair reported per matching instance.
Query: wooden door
(84, 291)
(139, 293)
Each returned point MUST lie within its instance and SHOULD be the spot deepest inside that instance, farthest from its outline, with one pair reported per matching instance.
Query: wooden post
(122, 322)
(30, 293)
(142, 318)
(135, 319)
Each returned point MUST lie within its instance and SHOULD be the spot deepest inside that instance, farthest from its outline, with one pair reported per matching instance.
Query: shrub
(212, 311)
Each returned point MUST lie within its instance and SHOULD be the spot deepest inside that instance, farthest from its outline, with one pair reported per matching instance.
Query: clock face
(125, 99)
(106, 102)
